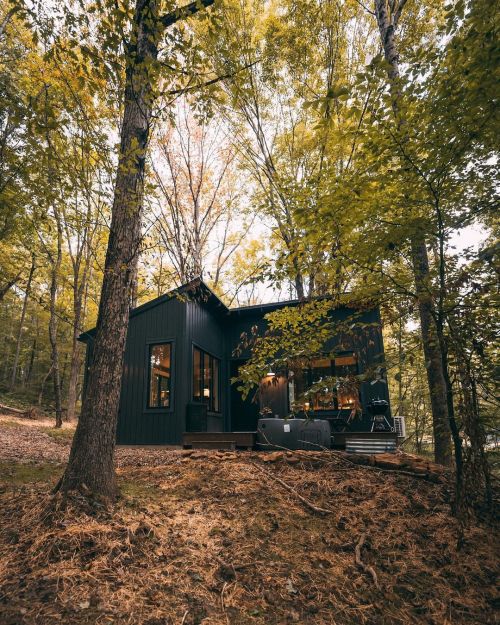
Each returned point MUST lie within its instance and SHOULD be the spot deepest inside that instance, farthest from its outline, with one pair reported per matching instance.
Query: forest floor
(215, 538)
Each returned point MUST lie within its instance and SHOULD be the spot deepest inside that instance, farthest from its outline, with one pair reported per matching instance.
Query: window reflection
(206, 374)
(338, 393)
(160, 375)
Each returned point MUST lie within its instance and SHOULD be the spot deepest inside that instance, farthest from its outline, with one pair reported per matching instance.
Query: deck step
(219, 440)
(213, 445)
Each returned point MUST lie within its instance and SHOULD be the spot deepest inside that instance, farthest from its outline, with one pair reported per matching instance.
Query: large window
(342, 395)
(160, 375)
(206, 371)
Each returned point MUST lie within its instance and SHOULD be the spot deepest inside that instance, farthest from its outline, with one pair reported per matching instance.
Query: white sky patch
(472, 236)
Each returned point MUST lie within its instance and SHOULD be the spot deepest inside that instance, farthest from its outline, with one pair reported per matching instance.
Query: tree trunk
(91, 457)
(21, 323)
(299, 284)
(79, 306)
(74, 370)
(433, 356)
(435, 375)
(54, 347)
(29, 368)
(42, 387)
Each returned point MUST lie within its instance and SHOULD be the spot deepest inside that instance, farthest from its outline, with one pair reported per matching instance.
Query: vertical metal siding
(188, 322)
(207, 331)
(138, 424)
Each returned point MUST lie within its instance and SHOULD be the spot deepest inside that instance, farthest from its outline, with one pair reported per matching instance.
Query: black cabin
(179, 362)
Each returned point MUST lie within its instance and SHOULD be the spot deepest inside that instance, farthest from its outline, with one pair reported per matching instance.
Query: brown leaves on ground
(204, 538)
(24, 440)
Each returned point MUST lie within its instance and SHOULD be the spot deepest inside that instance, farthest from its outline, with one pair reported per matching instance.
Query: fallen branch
(28, 413)
(365, 461)
(289, 488)
(365, 567)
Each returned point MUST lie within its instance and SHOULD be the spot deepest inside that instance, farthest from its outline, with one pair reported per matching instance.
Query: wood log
(28, 413)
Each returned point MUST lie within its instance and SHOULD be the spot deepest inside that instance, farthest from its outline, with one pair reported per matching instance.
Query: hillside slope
(209, 538)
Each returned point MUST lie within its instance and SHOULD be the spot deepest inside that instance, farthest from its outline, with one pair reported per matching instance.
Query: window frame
(308, 375)
(150, 343)
(204, 353)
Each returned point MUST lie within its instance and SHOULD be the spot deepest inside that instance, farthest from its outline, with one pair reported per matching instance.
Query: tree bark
(91, 457)
(21, 323)
(387, 22)
(75, 361)
(42, 386)
(80, 284)
(29, 368)
(54, 346)
(433, 357)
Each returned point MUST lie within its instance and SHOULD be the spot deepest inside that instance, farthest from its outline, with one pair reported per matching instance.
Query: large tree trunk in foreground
(91, 458)
(387, 23)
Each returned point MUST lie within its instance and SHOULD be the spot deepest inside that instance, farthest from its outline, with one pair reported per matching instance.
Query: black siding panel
(363, 335)
(208, 332)
(137, 423)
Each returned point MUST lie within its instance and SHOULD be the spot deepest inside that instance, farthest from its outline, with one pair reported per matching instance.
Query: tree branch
(213, 81)
(8, 17)
(365, 7)
(398, 11)
(183, 12)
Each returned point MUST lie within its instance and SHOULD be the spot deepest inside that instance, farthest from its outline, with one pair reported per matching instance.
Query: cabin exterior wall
(207, 332)
(365, 339)
(189, 322)
(138, 424)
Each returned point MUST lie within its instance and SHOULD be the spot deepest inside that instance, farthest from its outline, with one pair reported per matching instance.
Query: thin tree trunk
(400, 365)
(8, 285)
(54, 346)
(79, 307)
(299, 283)
(75, 364)
(21, 323)
(435, 375)
(8, 340)
(29, 368)
(42, 387)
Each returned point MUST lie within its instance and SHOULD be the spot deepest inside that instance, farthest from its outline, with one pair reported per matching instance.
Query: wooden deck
(219, 440)
(248, 440)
